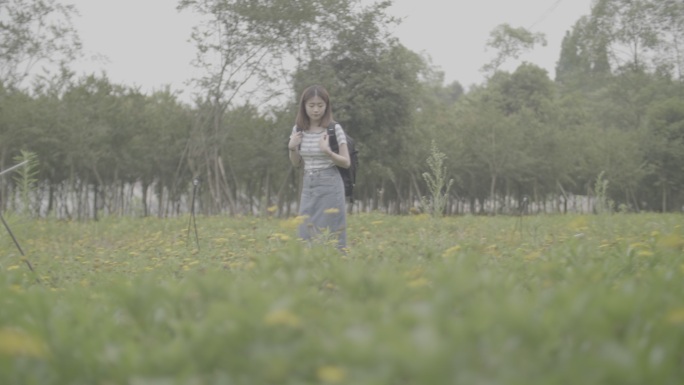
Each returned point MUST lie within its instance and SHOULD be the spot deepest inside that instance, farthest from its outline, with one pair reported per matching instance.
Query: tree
(435, 118)
(493, 140)
(665, 149)
(510, 43)
(34, 32)
(670, 23)
(640, 34)
(374, 85)
(15, 124)
(240, 48)
(583, 61)
(244, 49)
(255, 150)
(93, 140)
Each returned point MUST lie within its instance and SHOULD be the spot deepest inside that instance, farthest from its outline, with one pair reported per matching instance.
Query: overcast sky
(145, 42)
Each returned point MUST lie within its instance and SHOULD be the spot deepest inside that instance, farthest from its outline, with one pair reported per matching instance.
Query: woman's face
(315, 108)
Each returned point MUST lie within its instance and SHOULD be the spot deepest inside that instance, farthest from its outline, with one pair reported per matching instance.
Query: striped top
(313, 157)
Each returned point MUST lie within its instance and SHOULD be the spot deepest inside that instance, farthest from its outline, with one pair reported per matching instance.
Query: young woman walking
(322, 205)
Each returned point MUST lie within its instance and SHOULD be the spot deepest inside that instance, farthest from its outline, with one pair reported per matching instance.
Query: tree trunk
(226, 186)
(145, 187)
(96, 193)
(281, 192)
(492, 188)
(51, 198)
(267, 199)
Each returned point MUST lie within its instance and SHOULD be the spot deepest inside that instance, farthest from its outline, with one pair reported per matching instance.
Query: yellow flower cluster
(15, 342)
(282, 317)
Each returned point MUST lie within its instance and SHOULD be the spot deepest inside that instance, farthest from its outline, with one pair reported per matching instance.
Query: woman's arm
(293, 147)
(295, 158)
(342, 159)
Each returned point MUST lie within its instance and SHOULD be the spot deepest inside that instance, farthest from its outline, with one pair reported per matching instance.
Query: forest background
(605, 132)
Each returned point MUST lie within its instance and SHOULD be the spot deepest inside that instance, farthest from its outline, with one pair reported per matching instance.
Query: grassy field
(463, 300)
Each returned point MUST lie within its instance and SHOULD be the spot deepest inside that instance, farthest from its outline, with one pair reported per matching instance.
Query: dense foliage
(613, 115)
(563, 299)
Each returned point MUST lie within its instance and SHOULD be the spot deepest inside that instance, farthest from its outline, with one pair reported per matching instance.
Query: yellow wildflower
(282, 317)
(676, 316)
(419, 282)
(281, 236)
(451, 251)
(294, 222)
(672, 241)
(578, 224)
(533, 255)
(16, 342)
(331, 374)
(415, 272)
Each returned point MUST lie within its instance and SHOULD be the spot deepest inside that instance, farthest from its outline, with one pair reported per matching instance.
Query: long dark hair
(303, 122)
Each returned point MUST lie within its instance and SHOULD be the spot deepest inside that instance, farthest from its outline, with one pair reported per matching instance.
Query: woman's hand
(324, 145)
(295, 140)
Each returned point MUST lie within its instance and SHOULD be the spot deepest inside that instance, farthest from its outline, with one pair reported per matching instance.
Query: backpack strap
(332, 138)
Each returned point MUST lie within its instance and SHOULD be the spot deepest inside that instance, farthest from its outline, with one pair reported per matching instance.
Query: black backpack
(348, 174)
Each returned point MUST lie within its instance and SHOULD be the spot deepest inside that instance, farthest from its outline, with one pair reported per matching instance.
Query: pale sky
(146, 41)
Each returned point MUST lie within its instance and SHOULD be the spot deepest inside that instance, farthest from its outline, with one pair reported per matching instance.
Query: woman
(322, 204)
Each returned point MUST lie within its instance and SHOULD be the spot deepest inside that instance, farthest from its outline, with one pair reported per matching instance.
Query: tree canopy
(610, 116)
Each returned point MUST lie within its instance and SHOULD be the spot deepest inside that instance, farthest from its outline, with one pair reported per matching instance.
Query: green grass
(463, 300)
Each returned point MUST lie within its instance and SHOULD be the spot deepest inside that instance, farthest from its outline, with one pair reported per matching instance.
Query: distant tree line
(606, 130)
